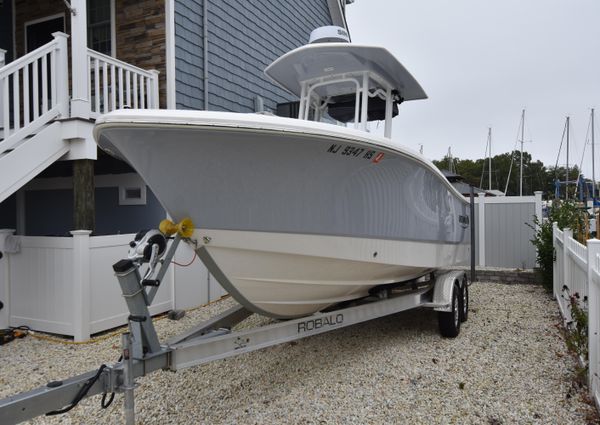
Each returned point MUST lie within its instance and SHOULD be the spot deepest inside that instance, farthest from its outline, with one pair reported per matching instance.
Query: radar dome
(329, 34)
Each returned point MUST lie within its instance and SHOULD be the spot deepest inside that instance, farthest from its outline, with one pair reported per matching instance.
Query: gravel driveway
(509, 365)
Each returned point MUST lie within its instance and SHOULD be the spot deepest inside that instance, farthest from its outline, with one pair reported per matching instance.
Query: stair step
(29, 136)
(29, 157)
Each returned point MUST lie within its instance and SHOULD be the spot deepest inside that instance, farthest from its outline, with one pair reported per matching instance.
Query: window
(99, 26)
(132, 194)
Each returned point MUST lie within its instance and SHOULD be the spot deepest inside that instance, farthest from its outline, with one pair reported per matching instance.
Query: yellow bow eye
(185, 228)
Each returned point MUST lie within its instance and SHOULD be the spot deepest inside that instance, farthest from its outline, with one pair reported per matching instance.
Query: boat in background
(296, 215)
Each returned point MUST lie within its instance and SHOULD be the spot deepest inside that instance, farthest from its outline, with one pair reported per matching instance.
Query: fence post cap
(58, 34)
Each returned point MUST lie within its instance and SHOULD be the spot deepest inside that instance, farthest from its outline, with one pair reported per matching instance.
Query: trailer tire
(449, 321)
(464, 302)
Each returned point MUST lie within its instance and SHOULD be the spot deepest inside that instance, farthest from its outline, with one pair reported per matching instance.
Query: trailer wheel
(464, 304)
(449, 322)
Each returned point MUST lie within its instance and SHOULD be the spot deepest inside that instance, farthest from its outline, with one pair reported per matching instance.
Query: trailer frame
(142, 352)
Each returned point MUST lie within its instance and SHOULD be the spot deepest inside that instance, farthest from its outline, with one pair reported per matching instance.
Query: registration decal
(378, 158)
(355, 152)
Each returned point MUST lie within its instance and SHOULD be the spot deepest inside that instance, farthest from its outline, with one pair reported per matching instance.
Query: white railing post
(155, 104)
(567, 236)
(557, 261)
(62, 73)
(593, 250)
(4, 280)
(2, 63)
(81, 284)
(538, 214)
(481, 229)
(538, 205)
(80, 103)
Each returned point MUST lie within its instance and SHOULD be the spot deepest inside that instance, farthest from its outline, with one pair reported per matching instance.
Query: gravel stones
(508, 365)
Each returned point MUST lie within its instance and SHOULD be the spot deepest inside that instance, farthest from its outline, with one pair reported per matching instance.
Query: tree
(535, 174)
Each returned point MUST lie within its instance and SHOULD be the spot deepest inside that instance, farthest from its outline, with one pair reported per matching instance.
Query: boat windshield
(349, 99)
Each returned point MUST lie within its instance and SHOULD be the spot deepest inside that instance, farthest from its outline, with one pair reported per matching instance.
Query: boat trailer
(143, 353)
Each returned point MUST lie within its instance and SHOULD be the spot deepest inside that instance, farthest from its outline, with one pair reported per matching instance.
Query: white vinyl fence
(503, 232)
(577, 271)
(66, 285)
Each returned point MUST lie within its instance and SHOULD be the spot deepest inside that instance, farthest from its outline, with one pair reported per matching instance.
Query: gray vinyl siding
(507, 236)
(8, 213)
(244, 37)
(50, 213)
(189, 55)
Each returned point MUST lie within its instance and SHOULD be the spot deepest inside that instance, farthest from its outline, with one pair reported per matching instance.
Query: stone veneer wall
(510, 276)
(140, 28)
(139, 25)
(501, 275)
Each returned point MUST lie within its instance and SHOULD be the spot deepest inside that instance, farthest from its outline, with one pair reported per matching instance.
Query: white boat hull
(294, 216)
(289, 275)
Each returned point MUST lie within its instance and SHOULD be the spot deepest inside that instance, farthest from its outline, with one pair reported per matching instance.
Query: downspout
(170, 53)
(205, 51)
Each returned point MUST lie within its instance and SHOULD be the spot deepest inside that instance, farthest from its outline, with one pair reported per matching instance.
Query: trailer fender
(444, 285)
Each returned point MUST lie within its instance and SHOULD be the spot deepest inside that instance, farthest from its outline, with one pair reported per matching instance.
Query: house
(464, 188)
(62, 65)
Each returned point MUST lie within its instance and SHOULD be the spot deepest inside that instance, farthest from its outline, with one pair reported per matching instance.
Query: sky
(482, 62)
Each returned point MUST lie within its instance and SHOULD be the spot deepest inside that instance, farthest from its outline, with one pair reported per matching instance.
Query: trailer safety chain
(81, 394)
(103, 402)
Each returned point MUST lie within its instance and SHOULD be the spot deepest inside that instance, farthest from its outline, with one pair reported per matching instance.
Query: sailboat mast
(593, 164)
(567, 180)
(522, 140)
(490, 160)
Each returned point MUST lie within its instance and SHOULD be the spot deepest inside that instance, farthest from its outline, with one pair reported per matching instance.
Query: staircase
(33, 94)
(35, 101)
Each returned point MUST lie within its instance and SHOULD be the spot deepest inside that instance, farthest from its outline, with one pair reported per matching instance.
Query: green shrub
(568, 215)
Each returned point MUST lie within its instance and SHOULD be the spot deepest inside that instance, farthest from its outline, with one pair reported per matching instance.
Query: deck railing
(33, 91)
(114, 84)
(577, 271)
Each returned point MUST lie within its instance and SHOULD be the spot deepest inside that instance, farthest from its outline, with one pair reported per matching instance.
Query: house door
(39, 32)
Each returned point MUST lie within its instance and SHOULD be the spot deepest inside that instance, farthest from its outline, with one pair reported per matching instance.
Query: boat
(293, 215)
